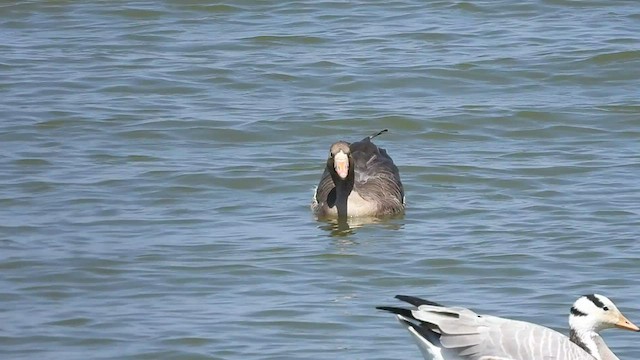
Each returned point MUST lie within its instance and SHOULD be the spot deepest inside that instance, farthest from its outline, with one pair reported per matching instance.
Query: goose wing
(448, 333)
(325, 192)
(376, 176)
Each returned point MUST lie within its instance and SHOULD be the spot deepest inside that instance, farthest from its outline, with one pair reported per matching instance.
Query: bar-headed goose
(359, 180)
(456, 333)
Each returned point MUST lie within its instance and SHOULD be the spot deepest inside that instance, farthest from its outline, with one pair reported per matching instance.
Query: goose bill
(624, 323)
(341, 164)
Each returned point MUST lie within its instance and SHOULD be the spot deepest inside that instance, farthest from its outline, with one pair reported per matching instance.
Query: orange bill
(624, 323)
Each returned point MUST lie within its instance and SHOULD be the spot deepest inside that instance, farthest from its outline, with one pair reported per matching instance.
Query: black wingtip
(423, 329)
(416, 301)
(395, 310)
(378, 133)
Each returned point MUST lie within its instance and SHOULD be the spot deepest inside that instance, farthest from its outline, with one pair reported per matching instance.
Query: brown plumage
(359, 180)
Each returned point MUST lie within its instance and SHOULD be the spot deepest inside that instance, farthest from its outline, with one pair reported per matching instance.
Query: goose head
(594, 313)
(339, 163)
(588, 316)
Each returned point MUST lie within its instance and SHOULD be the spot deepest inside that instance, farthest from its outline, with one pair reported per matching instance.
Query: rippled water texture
(158, 161)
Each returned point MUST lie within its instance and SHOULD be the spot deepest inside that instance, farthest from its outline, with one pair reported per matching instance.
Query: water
(159, 159)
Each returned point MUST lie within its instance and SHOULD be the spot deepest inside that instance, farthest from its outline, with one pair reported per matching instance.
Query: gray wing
(376, 176)
(325, 192)
(469, 336)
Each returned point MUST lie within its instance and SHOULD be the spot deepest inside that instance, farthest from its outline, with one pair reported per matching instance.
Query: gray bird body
(466, 336)
(373, 187)
(456, 333)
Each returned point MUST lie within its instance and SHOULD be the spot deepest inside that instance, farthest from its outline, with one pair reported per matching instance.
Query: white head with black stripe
(589, 315)
(596, 312)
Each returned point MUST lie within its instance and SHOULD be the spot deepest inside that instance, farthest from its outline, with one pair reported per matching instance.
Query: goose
(456, 333)
(359, 180)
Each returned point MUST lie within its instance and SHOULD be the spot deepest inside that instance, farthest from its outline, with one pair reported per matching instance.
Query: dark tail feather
(427, 331)
(398, 311)
(416, 301)
(378, 133)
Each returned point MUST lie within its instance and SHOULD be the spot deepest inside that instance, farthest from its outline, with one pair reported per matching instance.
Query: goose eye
(605, 308)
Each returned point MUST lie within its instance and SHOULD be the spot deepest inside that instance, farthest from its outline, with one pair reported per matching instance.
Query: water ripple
(159, 160)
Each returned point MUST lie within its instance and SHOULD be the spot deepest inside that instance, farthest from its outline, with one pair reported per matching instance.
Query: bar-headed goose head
(591, 314)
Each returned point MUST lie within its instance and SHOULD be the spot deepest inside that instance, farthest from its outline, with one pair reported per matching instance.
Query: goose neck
(592, 343)
(343, 189)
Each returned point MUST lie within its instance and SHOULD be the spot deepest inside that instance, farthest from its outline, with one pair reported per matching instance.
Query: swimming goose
(359, 180)
(456, 333)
